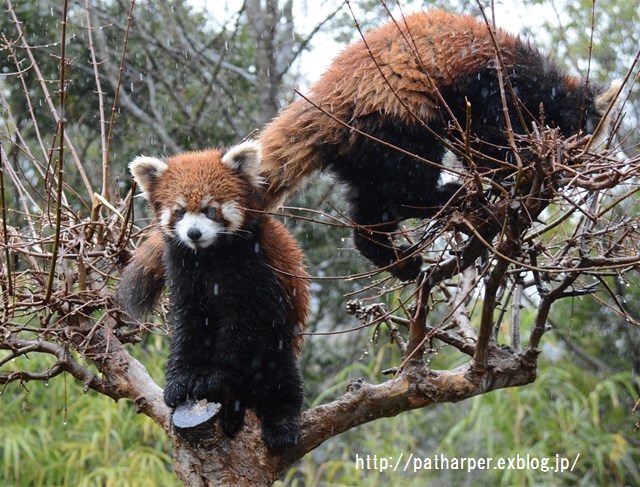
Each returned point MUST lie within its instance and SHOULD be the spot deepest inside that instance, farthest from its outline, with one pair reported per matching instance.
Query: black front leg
(186, 382)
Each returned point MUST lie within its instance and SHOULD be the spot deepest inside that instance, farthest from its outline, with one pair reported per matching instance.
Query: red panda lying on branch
(383, 115)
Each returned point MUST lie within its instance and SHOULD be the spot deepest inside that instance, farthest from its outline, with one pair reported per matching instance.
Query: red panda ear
(606, 105)
(608, 97)
(246, 158)
(146, 171)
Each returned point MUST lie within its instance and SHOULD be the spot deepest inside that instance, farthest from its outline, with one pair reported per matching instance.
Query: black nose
(194, 234)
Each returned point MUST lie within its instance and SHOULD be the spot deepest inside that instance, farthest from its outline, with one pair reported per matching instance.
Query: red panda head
(198, 196)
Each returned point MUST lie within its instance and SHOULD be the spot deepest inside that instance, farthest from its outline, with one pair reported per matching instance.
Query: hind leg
(377, 226)
(280, 404)
(373, 237)
(388, 186)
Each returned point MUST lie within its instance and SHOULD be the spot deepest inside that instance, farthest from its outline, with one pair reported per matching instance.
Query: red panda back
(397, 68)
(394, 72)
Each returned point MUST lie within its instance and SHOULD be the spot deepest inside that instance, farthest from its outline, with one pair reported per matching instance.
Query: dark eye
(211, 212)
(179, 212)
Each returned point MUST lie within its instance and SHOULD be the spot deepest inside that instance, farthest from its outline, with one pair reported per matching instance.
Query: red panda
(238, 289)
(407, 84)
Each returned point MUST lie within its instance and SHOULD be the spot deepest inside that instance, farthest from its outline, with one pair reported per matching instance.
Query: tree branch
(417, 387)
(124, 376)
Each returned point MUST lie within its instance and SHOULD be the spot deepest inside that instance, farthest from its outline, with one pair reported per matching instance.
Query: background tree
(127, 70)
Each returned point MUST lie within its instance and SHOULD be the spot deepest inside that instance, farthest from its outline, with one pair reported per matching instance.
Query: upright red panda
(237, 285)
(408, 84)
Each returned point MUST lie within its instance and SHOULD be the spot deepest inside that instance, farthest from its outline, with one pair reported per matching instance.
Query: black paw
(281, 435)
(450, 193)
(186, 387)
(408, 266)
(175, 393)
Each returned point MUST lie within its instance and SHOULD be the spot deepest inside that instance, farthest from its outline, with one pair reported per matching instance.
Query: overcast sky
(510, 15)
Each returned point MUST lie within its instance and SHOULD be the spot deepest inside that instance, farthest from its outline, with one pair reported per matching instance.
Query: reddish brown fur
(434, 49)
(192, 175)
(285, 256)
(142, 281)
(147, 259)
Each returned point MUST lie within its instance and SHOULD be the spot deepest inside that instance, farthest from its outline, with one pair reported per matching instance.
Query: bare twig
(60, 165)
(104, 147)
(47, 96)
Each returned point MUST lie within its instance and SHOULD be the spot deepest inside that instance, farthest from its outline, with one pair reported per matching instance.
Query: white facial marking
(165, 220)
(205, 202)
(197, 231)
(233, 215)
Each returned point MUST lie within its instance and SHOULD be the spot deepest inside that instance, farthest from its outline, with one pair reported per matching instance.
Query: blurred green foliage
(55, 435)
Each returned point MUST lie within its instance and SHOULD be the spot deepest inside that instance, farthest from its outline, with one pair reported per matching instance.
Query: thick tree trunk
(220, 461)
